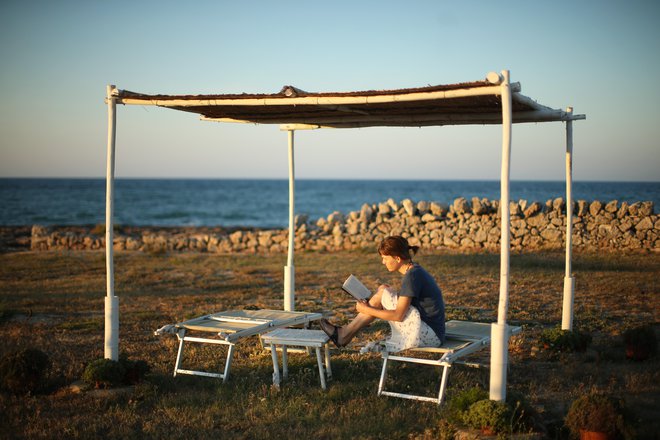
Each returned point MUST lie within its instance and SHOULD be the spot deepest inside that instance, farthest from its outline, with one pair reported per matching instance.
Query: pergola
(494, 100)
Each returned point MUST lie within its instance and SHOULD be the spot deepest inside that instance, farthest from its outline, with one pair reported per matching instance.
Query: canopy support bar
(569, 281)
(111, 348)
(499, 332)
(289, 269)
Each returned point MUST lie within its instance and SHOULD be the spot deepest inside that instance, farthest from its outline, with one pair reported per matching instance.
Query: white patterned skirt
(410, 332)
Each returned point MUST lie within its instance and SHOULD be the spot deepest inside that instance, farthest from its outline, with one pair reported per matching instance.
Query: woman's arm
(402, 304)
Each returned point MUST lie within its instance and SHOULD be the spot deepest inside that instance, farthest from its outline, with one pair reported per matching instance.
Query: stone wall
(463, 225)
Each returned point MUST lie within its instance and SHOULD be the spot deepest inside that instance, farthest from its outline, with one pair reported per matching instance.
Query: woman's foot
(332, 331)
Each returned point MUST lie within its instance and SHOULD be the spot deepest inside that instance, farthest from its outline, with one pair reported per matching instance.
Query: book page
(354, 287)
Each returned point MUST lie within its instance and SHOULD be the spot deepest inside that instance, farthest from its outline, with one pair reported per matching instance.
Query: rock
(634, 209)
(480, 236)
(582, 208)
(438, 209)
(644, 225)
(551, 235)
(384, 209)
(623, 210)
(408, 206)
(533, 209)
(595, 207)
(514, 209)
(558, 204)
(426, 218)
(612, 206)
(236, 237)
(353, 228)
(366, 212)
(422, 207)
(479, 206)
(461, 206)
(537, 221)
(335, 218)
(645, 209)
(40, 231)
(394, 205)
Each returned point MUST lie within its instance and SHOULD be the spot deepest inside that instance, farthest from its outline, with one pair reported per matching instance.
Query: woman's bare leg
(347, 333)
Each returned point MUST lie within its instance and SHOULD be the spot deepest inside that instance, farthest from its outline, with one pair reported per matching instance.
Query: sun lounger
(230, 327)
(462, 339)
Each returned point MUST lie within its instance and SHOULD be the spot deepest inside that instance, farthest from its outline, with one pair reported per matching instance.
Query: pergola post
(111, 348)
(499, 330)
(289, 269)
(569, 281)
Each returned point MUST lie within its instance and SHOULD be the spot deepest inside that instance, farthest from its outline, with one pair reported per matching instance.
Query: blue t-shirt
(426, 297)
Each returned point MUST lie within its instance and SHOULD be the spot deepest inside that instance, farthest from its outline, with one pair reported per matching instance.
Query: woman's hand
(362, 307)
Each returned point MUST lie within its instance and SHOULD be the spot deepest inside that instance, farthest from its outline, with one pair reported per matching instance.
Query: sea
(260, 203)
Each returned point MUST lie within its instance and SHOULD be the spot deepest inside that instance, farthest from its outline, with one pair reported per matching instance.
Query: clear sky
(601, 57)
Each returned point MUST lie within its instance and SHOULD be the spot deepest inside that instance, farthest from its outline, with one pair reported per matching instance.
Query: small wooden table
(289, 337)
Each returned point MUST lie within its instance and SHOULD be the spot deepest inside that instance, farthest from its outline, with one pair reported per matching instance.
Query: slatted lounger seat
(462, 339)
(230, 327)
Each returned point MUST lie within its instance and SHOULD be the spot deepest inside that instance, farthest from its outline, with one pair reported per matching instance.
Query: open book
(355, 288)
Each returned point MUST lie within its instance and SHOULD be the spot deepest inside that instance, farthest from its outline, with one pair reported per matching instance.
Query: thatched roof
(455, 104)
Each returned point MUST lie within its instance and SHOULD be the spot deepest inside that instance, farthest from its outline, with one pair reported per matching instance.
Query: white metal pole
(289, 269)
(111, 350)
(499, 331)
(569, 281)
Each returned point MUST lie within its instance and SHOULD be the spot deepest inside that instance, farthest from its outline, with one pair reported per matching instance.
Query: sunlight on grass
(54, 301)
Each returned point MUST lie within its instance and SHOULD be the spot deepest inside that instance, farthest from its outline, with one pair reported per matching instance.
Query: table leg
(328, 369)
(276, 368)
(285, 362)
(321, 372)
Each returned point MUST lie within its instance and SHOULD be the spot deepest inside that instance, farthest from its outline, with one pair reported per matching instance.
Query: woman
(416, 313)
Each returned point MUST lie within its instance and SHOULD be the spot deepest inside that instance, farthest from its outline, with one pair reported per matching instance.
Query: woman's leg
(348, 332)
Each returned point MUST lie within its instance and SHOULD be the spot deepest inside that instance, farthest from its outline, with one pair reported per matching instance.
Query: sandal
(332, 331)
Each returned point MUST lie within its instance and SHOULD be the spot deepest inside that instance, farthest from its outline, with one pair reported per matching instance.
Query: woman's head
(398, 247)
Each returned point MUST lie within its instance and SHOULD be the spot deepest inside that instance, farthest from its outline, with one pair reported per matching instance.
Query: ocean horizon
(261, 203)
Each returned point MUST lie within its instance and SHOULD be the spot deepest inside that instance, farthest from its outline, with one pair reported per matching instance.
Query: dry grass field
(54, 302)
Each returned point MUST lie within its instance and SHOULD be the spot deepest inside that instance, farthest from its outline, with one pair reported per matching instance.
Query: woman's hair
(397, 246)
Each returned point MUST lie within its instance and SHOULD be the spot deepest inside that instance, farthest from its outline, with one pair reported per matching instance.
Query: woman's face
(392, 264)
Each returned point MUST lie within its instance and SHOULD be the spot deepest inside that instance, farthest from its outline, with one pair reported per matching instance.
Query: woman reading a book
(416, 312)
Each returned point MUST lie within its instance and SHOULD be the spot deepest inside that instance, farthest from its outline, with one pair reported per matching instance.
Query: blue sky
(601, 57)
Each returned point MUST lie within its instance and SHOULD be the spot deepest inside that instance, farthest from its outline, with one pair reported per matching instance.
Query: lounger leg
(328, 368)
(285, 362)
(321, 372)
(181, 335)
(381, 384)
(230, 356)
(443, 384)
(276, 367)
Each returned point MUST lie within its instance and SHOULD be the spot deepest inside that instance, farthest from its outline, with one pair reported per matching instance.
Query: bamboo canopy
(456, 104)
(494, 100)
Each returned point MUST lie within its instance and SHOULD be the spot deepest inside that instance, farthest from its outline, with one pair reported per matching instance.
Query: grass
(54, 301)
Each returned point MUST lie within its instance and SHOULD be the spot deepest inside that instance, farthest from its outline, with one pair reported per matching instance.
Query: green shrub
(563, 341)
(461, 402)
(596, 412)
(104, 373)
(489, 416)
(24, 371)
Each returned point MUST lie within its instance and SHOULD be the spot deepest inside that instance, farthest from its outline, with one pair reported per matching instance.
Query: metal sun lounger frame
(233, 326)
(462, 339)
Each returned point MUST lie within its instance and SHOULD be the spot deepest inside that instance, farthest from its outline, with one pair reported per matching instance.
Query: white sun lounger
(462, 339)
(230, 327)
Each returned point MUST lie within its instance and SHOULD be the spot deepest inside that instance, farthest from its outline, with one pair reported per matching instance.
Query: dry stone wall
(461, 225)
